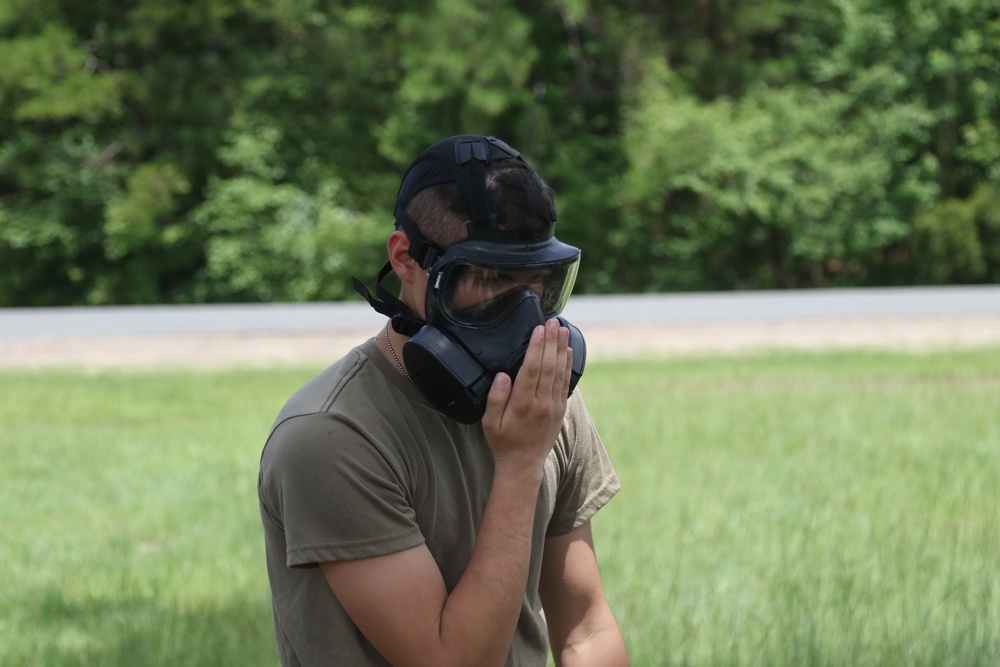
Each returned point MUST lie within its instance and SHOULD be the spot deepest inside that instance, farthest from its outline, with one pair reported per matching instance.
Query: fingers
(559, 389)
(552, 360)
(526, 385)
(496, 402)
(543, 372)
(568, 372)
(523, 417)
(543, 376)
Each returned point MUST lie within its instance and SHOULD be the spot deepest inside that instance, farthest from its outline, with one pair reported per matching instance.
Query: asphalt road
(686, 308)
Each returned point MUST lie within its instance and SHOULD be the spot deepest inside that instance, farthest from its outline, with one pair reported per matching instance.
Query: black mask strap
(472, 155)
(423, 251)
(403, 320)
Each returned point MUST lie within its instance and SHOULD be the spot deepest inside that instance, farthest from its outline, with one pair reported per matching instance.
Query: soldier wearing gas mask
(425, 498)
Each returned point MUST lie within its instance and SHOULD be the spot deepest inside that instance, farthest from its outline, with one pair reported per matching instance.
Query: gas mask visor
(477, 284)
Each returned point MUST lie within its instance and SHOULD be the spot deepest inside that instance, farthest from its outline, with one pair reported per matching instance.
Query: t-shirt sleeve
(586, 477)
(335, 495)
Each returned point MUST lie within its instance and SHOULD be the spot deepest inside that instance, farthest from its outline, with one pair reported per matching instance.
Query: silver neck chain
(393, 353)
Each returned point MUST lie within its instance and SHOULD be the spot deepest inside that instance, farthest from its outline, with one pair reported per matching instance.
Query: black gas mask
(485, 294)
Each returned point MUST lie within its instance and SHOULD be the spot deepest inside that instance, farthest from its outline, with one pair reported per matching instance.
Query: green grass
(827, 509)
(131, 534)
(781, 509)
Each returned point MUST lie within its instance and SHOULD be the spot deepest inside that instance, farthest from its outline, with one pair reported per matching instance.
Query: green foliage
(958, 240)
(781, 188)
(476, 86)
(250, 149)
(45, 80)
(272, 242)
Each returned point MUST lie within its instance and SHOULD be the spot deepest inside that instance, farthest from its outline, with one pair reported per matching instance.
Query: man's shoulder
(578, 422)
(353, 379)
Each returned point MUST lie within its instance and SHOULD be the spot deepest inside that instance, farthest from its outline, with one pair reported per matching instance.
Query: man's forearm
(480, 616)
(602, 647)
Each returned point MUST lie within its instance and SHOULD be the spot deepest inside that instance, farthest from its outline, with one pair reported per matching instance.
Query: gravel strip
(216, 351)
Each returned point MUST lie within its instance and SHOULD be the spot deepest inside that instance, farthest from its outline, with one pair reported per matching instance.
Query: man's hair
(520, 202)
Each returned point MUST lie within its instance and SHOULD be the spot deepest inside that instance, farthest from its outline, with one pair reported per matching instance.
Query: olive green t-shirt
(359, 464)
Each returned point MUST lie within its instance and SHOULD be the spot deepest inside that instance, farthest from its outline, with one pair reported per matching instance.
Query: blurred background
(250, 150)
(727, 167)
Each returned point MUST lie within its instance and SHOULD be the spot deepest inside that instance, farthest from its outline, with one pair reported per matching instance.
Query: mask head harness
(485, 293)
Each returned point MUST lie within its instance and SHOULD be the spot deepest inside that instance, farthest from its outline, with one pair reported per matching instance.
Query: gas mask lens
(480, 293)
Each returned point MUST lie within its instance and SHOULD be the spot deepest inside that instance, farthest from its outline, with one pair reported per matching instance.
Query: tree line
(171, 151)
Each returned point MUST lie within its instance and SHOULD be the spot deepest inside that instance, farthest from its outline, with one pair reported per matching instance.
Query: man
(425, 497)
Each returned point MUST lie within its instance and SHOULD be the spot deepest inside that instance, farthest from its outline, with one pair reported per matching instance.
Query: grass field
(777, 510)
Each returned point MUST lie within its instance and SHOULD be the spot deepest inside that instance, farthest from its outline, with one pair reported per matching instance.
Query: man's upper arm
(337, 494)
(582, 629)
(395, 600)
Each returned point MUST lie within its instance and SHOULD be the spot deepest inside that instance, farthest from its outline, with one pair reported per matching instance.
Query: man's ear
(405, 266)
